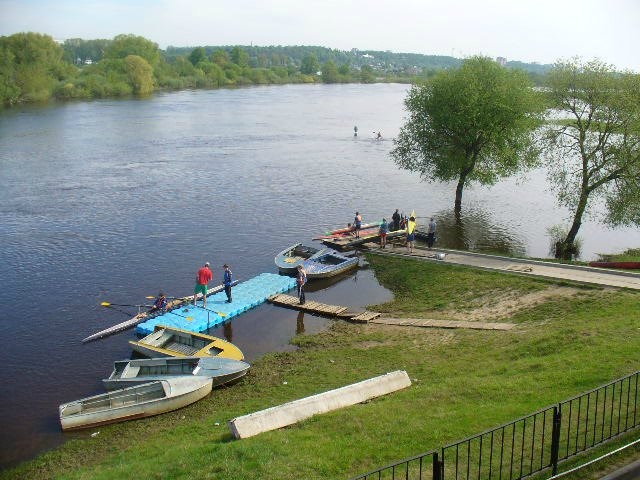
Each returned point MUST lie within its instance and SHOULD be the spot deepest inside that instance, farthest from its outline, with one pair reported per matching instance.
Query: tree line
(35, 68)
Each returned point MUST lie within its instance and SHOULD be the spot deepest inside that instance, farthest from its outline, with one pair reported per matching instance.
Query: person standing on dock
(384, 229)
(301, 281)
(357, 224)
(396, 220)
(411, 233)
(227, 279)
(431, 233)
(355, 131)
(203, 277)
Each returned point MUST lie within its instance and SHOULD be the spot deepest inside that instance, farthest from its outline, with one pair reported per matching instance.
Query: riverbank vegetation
(35, 68)
(463, 382)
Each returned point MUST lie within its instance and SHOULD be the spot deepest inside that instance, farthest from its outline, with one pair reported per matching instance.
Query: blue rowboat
(329, 264)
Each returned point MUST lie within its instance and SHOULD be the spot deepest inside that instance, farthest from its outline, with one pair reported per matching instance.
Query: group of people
(376, 135)
(400, 222)
(203, 277)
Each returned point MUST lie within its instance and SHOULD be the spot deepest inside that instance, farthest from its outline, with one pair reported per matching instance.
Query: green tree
(30, 67)
(594, 149)
(310, 64)
(9, 90)
(239, 56)
(470, 124)
(78, 49)
(197, 55)
(220, 56)
(330, 72)
(124, 45)
(366, 74)
(140, 74)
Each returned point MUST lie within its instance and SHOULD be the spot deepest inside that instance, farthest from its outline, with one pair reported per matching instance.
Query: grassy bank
(464, 382)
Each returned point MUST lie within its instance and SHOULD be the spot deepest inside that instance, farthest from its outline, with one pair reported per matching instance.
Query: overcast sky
(540, 31)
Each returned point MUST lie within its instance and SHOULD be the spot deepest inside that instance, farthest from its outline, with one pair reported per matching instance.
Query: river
(114, 200)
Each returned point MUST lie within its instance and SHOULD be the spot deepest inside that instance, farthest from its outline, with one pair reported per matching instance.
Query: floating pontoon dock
(246, 295)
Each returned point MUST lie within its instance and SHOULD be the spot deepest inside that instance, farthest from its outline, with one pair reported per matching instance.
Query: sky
(542, 31)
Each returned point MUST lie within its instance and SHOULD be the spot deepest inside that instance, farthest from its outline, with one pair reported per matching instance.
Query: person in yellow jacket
(411, 233)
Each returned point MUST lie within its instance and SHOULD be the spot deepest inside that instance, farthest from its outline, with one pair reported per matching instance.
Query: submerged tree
(594, 144)
(474, 123)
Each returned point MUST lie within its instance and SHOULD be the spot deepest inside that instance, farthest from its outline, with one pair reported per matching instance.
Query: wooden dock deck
(323, 309)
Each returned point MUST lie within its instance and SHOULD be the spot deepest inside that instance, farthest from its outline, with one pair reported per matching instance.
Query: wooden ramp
(364, 317)
(309, 306)
(323, 309)
(427, 323)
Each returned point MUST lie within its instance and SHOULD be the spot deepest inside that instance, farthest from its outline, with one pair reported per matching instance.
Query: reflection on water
(300, 323)
(473, 229)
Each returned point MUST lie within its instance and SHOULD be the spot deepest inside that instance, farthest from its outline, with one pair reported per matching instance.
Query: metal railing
(530, 444)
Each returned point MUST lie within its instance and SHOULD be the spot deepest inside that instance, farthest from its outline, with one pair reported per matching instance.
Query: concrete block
(292, 412)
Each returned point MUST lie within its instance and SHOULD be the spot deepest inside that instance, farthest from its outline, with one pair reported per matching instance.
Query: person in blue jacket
(227, 279)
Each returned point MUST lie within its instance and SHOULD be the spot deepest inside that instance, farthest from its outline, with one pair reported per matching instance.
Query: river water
(114, 200)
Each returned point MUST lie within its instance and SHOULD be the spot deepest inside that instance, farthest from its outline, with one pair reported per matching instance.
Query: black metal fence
(530, 444)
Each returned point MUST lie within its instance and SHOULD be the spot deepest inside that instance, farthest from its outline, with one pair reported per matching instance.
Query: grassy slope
(464, 382)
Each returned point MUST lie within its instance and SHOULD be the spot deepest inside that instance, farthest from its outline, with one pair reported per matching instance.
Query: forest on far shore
(35, 68)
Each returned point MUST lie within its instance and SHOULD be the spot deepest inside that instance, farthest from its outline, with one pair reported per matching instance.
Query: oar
(222, 314)
(108, 304)
(151, 297)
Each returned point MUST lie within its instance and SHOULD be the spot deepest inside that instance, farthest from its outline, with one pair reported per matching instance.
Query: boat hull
(175, 342)
(131, 403)
(128, 373)
(289, 259)
(329, 265)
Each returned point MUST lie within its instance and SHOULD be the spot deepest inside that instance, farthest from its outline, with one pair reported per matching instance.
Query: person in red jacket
(203, 277)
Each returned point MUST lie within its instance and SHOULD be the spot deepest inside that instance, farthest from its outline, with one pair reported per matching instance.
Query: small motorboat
(175, 342)
(329, 264)
(134, 402)
(127, 373)
(290, 258)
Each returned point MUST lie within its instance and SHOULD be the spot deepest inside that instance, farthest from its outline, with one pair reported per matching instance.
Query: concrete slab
(292, 412)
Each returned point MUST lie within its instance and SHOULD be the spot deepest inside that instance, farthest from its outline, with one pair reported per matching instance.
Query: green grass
(463, 382)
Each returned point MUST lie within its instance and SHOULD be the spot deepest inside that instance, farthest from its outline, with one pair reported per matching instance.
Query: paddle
(108, 304)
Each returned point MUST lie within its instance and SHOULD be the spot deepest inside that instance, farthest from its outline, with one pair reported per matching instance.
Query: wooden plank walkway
(375, 317)
(428, 323)
(322, 308)
(309, 306)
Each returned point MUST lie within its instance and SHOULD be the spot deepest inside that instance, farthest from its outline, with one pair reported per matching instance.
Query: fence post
(437, 467)
(555, 439)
